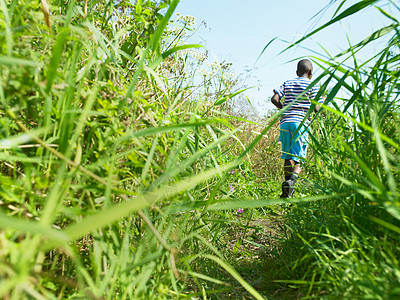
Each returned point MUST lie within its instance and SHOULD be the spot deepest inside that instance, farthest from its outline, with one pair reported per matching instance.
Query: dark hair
(304, 66)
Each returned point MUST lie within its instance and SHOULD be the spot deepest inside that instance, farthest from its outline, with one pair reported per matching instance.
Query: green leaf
(155, 42)
(13, 61)
(33, 227)
(167, 53)
(56, 58)
(385, 224)
(114, 213)
(360, 5)
(8, 32)
(223, 99)
(265, 48)
(376, 35)
(235, 275)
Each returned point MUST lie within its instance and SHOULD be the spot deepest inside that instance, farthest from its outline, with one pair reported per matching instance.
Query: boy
(293, 127)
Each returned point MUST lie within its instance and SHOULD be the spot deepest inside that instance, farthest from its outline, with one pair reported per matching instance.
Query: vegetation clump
(126, 172)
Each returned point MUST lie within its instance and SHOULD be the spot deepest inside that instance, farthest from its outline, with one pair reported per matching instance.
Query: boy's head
(304, 68)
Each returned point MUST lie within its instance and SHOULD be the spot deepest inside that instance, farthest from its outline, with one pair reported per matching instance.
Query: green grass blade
(385, 224)
(56, 58)
(13, 61)
(8, 32)
(155, 41)
(374, 36)
(360, 5)
(225, 98)
(171, 51)
(32, 227)
(235, 275)
(114, 213)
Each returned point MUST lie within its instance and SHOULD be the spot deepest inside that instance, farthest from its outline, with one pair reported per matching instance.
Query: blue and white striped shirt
(291, 89)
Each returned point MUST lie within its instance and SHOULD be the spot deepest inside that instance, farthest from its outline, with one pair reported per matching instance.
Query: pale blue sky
(237, 31)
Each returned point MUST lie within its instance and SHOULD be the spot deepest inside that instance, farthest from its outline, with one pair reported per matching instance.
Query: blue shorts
(294, 141)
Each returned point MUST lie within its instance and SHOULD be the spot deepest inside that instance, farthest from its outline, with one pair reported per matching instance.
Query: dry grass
(266, 154)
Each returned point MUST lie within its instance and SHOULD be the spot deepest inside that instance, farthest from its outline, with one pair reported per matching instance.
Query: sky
(237, 31)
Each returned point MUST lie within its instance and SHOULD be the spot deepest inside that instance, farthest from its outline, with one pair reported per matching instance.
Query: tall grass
(99, 141)
(122, 174)
(349, 243)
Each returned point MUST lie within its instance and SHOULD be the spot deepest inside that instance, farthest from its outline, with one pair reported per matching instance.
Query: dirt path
(263, 255)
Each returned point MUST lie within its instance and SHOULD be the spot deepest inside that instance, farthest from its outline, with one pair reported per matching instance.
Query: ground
(263, 256)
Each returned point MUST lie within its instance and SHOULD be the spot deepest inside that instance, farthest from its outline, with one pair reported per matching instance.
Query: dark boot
(288, 188)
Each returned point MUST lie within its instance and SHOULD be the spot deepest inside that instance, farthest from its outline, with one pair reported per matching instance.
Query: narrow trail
(263, 256)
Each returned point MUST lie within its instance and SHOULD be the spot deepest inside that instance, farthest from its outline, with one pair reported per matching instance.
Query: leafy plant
(348, 242)
(97, 143)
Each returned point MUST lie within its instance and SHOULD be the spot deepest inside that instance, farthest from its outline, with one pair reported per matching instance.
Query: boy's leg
(299, 151)
(290, 181)
(291, 167)
(292, 146)
(288, 168)
(295, 174)
(287, 188)
(296, 169)
(292, 170)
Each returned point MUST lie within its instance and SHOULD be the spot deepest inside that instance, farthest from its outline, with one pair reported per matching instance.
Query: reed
(123, 176)
(348, 242)
(98, 141)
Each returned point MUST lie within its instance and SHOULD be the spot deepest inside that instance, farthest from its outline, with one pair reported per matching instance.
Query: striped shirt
(291, 89)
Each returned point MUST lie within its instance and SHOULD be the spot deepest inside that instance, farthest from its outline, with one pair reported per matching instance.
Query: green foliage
(98, 140)
(123, 176)
(348, 243)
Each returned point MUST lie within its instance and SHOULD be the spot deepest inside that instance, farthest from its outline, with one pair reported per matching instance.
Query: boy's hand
(276, 101)
(318, 107)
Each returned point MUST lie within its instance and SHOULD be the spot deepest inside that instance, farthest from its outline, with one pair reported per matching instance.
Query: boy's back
(291, 89)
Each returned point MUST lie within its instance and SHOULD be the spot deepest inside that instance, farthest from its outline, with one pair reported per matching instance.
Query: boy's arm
(276, 101)
(318, 107)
